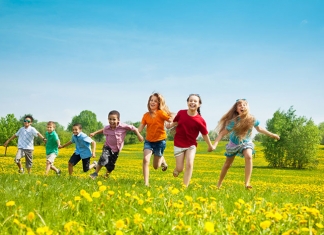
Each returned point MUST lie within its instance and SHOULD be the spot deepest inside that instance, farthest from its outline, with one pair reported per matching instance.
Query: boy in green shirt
(52, 144)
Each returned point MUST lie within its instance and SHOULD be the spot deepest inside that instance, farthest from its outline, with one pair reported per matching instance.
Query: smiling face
(242, 107)
(50, 128)
(76, 130)
(27, 122)
(113, 120)
(193, 103)
(154, 103)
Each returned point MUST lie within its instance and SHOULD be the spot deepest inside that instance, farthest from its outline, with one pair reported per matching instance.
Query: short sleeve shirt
(234, 138)
(155, 125)
(51, 143)
(26, 137)
(115, 137)
(188, 129)
(82, 144)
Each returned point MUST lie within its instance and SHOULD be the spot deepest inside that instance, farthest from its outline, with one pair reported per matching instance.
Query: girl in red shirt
(189, 123)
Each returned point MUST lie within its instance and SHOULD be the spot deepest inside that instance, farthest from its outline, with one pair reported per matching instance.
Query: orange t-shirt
(155, 125)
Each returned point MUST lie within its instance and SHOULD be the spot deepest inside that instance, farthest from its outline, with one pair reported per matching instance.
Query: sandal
(175, 173)
(164, 166)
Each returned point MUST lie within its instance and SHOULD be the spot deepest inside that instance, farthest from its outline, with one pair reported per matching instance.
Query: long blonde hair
(242, 123)
(162, 104)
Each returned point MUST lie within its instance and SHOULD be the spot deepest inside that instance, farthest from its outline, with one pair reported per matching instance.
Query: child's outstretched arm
(141, 127)
(219, 137)
(10, 139)
(210, 146)
(93, 145)
(41, 136)
(64, 145)
(96, 132)
(171, 125)
(268, 133)
(139, 136)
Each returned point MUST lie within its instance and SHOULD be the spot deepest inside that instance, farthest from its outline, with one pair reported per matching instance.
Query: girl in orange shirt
(155, 140)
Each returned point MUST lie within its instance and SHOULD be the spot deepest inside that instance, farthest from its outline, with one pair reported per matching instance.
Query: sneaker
(21, 171)
(58, 172)
(164, 166)
(95, 165)
(94, 175)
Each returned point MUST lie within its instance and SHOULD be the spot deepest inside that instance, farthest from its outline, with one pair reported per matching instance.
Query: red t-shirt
(188, 129)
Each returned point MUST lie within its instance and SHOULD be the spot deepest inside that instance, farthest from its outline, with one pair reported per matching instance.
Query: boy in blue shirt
(83, 150)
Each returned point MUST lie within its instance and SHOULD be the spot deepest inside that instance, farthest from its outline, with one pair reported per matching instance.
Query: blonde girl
(238, 122)
(155, 141)
(189, 123)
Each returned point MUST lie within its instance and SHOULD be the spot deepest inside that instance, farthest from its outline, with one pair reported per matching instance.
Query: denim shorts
(156, 147)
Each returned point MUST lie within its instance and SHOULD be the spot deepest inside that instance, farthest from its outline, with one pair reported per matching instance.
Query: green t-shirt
(51, 144)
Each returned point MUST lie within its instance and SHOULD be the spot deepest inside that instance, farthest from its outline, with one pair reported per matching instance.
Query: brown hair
(51, 123)
(242, 123)
(200, 102)
(114, 112)
(162, 105)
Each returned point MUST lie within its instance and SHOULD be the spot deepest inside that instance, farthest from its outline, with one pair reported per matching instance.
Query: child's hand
(275, 136)
(92, 134)
(93, 154)
(210, 148)
(141, 139)
(60, 147)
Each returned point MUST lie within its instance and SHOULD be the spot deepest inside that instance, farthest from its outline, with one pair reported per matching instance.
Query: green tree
(321, 130)
(298, 144)
(8, 127)
(89, 123)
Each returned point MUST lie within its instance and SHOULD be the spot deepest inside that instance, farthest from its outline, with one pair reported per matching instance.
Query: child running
(52, 143)
(82, 149)
(115, 134)
(26, 135)
(189, 123)
(155, 141)
(238, 122)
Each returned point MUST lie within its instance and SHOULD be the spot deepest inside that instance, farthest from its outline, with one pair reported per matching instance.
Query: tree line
(297, 148)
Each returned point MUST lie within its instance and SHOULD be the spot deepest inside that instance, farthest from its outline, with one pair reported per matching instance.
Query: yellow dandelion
(45, 185)
(38, 182)
(44, 230)
(127, 194)
(265, 224)
(77, 198)
(82, 192)
(140, 202)
(99, 183)
(111, 192)
(96, 194)
(31, 216)
(188, 198)
(138, 219)
(102, 188)
(148, 193)
(10, 203)
(120, 224)
(175, 191)
(148, 210)
(304, 229)
(118, 232)
(319, 225)
(241, 201)
(209, 227)
(15, 221)
(161, 213)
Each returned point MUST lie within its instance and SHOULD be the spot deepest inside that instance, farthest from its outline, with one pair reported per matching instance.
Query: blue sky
(58, 58)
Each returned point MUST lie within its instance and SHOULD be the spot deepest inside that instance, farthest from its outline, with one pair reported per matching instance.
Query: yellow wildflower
(265, 224)
(10, 203)
(102, 188)
(31, 216)
(96, 194)
(148, 210)
(77, 198)
(120, 224)
(209, 227)
(99, 183)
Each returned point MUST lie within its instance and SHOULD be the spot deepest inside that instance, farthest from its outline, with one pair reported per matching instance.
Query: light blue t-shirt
(234, 138)
(26, 137)
(82, 144)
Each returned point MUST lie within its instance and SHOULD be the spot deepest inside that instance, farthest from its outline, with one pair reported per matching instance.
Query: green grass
(282, 201)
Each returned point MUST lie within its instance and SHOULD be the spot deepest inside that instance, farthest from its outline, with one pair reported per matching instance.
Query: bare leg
(28, 170)
(98, 168)
(54, 168)
(226, 166)
(70, 168)
(157, 161)
(92, 166)
(190, 157)
(146, 161)
(179, 164)
(248, 166)
(48, 167)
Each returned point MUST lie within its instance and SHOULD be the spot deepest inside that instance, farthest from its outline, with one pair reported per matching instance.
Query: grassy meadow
(282, 201)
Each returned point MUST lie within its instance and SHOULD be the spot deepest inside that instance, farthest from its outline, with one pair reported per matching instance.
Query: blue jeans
(156, 147)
